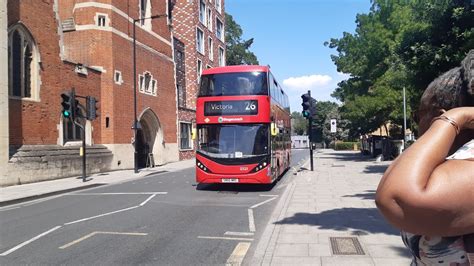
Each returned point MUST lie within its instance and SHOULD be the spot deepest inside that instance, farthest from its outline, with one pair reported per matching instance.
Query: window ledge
(73, 143)
(23, 99)
(189, 149)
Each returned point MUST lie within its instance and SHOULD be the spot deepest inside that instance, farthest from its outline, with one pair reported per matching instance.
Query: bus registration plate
(230, 180)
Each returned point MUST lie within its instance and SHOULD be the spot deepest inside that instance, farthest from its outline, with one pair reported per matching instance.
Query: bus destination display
(247, 107)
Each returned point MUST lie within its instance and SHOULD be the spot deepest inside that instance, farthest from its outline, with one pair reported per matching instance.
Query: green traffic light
(305, 113)
(66, 114)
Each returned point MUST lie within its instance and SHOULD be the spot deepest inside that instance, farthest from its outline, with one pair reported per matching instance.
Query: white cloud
(305, 83)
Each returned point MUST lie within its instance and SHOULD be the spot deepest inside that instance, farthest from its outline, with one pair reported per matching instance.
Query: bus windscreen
(232, 84)
(234, 141)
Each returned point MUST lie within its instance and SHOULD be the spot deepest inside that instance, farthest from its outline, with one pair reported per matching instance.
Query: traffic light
(68, 104)
(312, 108)
(306, 104)
(91, 108)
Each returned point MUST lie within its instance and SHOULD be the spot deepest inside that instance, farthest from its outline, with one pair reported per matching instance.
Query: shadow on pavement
(367, 220)
(241, 187)
(369, 195)
(375, 169)
(236, 187)
(347, 156)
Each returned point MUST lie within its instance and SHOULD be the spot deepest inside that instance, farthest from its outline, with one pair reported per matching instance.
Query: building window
(23, 64)
(219, 30)
(219, 6)
(202, 12)
(101, 20)
(179, 60)
(181, 96)
(71, 132)
(199, 70)
(209, 19)
(147, 84)
(145, 12)
(185, 136)
(118, 77)
(221, 57)
(211, 49)
(200, 41)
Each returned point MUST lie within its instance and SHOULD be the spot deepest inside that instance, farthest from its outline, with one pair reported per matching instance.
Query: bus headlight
(202, 167)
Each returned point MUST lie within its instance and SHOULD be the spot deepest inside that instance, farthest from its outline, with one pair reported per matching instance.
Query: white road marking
(238, 234)
(263, 202)
(251, 221)
(29, 241)
(238, 254)
(101, 215)
(11, 208)
(226, 238)
(119, 193)
(264, 195)
(99, 232)
(149, 198)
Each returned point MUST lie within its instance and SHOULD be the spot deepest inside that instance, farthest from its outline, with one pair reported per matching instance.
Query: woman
(428, 191)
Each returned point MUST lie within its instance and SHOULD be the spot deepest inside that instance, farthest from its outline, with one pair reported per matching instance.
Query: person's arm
(422, 193)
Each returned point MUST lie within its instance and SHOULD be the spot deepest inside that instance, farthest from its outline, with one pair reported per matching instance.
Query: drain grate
(346, 246)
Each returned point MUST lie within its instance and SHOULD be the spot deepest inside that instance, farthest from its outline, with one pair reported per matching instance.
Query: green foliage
(344, 146)
(398, 44)
(237, 49)
(299, 124)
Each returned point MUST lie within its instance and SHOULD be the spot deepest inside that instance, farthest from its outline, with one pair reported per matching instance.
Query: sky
(289, 36)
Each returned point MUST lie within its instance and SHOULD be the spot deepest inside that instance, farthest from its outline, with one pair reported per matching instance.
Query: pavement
(325, 217)
(328, 217)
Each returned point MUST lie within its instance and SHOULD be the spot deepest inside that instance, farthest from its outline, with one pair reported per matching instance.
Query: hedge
(340, 146)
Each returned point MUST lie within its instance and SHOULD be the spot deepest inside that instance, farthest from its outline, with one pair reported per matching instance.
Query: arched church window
(23, 64)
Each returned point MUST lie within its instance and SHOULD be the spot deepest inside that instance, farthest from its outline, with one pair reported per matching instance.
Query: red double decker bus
(243, 126)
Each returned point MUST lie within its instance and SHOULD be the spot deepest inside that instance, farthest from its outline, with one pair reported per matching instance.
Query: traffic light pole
(310, 125)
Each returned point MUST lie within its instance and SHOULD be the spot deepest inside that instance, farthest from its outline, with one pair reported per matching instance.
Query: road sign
(333, 126)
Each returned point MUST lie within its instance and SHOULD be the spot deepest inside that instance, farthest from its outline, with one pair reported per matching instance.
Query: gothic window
(71, 132)
(147, 84)
(23, 63)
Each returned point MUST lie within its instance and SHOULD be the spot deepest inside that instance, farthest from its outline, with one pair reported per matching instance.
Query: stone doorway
(149, 138)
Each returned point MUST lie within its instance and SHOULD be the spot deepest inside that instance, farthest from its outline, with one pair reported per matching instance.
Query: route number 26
(250, 106)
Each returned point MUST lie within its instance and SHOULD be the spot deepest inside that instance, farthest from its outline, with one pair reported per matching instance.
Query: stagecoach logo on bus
(232, 119)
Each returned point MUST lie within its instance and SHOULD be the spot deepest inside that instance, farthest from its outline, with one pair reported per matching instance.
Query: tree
(299, 124)
(323, 110)
(237, 49)
(397, 45)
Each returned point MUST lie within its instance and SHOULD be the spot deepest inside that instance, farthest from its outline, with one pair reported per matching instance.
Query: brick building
(52, 46)
(198, 30)
(100, 34)
(35, 143)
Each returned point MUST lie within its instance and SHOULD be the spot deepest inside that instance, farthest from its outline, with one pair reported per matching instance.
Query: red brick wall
(114, 51)
(35, 122)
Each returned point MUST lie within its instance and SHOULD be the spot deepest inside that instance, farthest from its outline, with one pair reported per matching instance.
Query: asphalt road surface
(164, 218)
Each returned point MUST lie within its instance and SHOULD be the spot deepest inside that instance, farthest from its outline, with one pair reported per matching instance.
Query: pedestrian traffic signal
(306, 104)
(91, 108)
(68, 104)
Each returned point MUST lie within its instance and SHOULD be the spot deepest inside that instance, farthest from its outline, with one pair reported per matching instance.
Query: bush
(344, 146)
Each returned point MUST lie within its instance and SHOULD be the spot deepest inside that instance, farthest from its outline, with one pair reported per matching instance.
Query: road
(160, 219)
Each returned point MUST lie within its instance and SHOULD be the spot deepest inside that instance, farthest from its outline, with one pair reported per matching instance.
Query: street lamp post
(135, 126)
